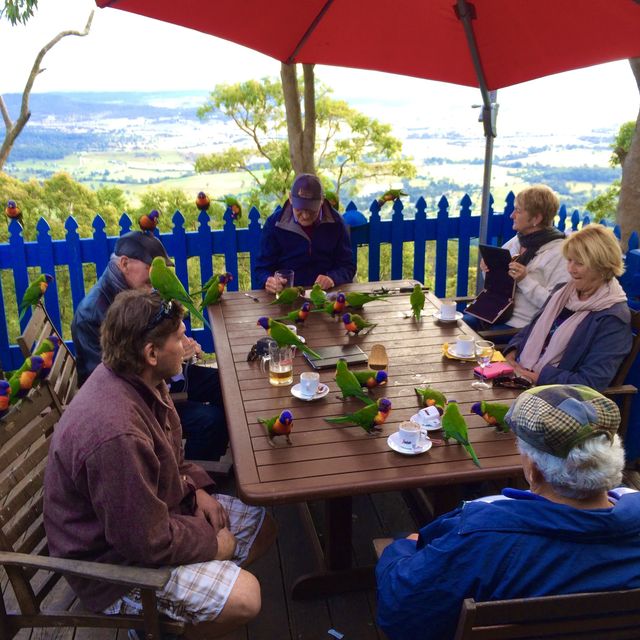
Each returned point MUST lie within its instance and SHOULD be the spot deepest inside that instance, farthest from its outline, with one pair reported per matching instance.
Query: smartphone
(329, 356)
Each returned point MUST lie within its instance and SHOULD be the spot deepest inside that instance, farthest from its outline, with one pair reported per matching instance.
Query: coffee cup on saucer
(428, 416)
(408, 435)
(448, 310)
(309, 381)
(465, 346)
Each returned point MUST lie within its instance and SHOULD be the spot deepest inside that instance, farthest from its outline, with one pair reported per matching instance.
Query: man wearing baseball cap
(570, 533)
(307, 236)
(202, 415)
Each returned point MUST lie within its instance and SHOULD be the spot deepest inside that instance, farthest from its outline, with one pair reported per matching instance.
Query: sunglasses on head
(165, 311)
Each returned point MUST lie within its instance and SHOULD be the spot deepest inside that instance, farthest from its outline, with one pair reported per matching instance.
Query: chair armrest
(620, 390)
(380, 544)
(462, 299)
(498, 333)
(117, 574)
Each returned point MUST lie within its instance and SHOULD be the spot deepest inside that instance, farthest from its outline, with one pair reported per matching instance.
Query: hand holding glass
(284, 279)
(484, 352)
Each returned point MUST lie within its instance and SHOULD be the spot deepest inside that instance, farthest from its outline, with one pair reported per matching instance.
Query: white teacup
(409, 434)
(448, 310)
(465, 346)
(428, 416)
(309, 381)
(292, 328)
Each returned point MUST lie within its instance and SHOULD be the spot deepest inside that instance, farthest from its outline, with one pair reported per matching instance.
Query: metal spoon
(252, 297)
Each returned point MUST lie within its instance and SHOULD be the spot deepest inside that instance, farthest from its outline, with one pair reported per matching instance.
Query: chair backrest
(611, 615)
(627, 363)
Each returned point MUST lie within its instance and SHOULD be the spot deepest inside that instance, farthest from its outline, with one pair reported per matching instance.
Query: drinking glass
(484, 352)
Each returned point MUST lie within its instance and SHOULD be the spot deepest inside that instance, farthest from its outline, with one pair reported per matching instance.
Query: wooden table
(335, 462)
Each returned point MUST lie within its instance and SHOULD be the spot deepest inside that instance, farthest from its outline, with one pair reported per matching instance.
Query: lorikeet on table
(357, 300)
(354, 323)
(454, 426)
(432, 398)
(288, 295)
(493, 413)
(369, 418)
(348, 383)
(283, 335)
(22, 379)
(149, 221)
(371, 378)
(215, 289)
(299, 315)
(417, 301)
(335, 307)
(317, 296)
(280, 425)
(166, 283)
(34, 293)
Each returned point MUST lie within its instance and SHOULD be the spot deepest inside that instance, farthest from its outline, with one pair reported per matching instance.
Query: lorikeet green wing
(283, 335)
(417, 301)
(371, 378)
(299, 315)
(34, 293)
(288, 295)
(47, 350)
(455, 426)
(348, 383)
(431, 397)
(280, 425)
(369, 418)
(355, 323)
(493, 413)
(24, 378)
(357, 300)
(317, 296)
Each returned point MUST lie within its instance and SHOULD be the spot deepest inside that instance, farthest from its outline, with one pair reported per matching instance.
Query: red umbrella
(486, 43)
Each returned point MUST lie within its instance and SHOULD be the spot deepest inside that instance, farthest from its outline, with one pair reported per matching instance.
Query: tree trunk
(628, 213)
(14, 129)
(301, 139)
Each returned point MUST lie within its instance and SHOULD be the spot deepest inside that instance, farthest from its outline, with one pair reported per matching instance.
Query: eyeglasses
(165, 311)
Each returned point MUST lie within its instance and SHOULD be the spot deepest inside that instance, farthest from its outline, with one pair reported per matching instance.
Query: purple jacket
(117, 488)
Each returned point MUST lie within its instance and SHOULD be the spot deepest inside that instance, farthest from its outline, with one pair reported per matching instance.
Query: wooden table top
(327, 460)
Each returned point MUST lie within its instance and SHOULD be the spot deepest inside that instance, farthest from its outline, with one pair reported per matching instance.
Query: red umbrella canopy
(517, 40)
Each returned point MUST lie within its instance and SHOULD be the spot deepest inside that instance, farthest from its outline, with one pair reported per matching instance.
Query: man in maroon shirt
(118, 489)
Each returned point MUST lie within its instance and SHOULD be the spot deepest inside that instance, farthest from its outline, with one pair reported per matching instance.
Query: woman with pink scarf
(583, 332)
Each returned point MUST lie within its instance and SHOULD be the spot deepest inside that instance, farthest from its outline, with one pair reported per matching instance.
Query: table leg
(336, 573)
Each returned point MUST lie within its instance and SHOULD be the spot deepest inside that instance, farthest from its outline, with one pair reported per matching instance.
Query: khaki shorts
(198, 592)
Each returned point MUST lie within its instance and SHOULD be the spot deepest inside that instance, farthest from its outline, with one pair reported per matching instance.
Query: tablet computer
(329, 356)
(495, 257)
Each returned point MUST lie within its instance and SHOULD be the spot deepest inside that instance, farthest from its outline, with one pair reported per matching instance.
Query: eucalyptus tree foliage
(18, 11)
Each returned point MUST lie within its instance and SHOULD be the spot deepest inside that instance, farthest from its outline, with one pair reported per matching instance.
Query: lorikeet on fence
(417, 301)
(34, 293)
(283, 335)
(390, 195)
(288, 295)
(47, 350)
(354, 323)
(432, 398)
(493, 413)
(149, 221)
(455, 426)
(299, 315)
(348, 383)
(202, 201)
(165, 281)
(370, 378)
(357, 300)
(233, 204)
(369, 418)
(22, 379)
(280, 425)
(13, 212)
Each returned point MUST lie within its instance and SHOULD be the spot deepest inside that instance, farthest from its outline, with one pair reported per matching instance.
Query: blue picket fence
(416, 227)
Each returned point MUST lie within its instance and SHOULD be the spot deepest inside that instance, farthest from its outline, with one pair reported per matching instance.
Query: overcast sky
(125, 52)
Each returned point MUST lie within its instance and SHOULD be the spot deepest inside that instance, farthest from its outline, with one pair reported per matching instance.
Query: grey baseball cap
(141, 246)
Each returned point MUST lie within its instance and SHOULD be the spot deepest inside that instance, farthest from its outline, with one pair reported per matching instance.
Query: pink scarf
(532, 357)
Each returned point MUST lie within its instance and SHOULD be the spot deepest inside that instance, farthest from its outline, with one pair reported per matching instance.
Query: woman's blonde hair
(539, 200)
(597, 248)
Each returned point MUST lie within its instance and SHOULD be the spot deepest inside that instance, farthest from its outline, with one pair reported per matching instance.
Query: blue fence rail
(418, 228)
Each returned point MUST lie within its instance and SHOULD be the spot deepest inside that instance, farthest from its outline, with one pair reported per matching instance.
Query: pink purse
(494, 369)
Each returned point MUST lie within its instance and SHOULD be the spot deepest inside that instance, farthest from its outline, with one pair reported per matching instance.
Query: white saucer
(424, 445)
(322, 391)
(433, 425)
(454, 354)
(439, 318)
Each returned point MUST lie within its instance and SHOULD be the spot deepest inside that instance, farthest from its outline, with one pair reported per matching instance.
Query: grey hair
(593, 466)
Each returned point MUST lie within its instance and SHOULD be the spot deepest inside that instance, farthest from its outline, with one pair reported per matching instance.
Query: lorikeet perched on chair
(390, 195)
(354, 323)
(371, 378)
(34, 293)
(13, 212)
(202, 201)
(369, 418)
(348, 383)
(166, 283)
(299, 315)
(455, 426)
(47, 350)
(280, 425)
(416, 300)
(432, 398)
(149, 221)
(22, 379)
(283, 335)
(5, 390)
(493, 413)
(357, 300)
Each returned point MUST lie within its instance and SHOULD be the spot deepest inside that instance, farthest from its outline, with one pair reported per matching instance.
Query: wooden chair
(611, 615)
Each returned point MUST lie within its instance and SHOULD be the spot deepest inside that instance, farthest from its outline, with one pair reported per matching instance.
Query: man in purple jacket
(118, 490)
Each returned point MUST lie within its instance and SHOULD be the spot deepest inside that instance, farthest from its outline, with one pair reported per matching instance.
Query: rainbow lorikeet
(23, 379)
(432, 398)
(454, 426)
(280, 425)
(391, 194)
(5, 390)
(47, 350)
(348, 383)
(202, 201)
(493, 413)
(332, 198)
(13, 212)
(166, 283)
(369, 418)
(357, 300)
(416, 299)
(299, 315)
(354, 323)
(288, 295)
(370, 378)
(283, 335)
(317, 296)
(335, 307)
(149, 221)
(34, 293)
(221, 279)
(215, 289)
(233, 204)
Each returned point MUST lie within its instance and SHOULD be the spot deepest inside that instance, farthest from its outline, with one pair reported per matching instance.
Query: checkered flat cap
(556, 418)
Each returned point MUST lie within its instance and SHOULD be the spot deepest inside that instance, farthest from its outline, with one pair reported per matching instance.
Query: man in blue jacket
(569, 534)
(307, 236)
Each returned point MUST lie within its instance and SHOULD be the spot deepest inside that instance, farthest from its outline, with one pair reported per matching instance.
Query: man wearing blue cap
(570, 533)
(307, 236)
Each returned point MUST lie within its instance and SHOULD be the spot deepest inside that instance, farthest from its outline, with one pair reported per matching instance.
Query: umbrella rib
(308, 32)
